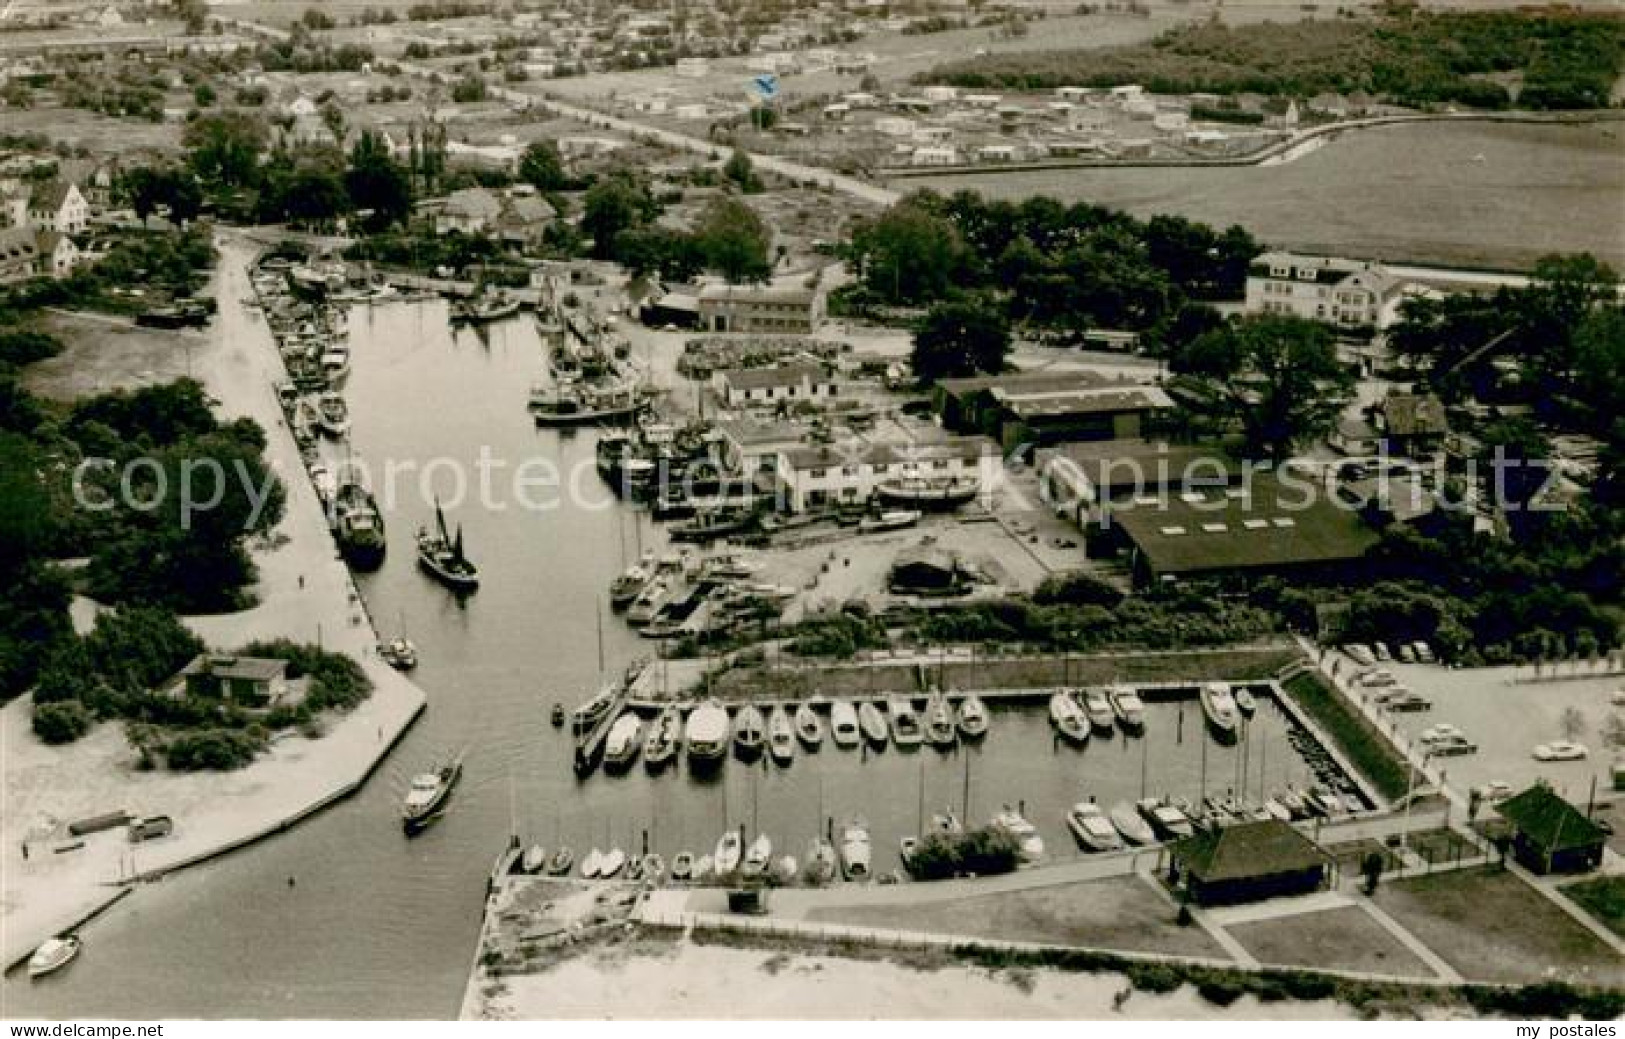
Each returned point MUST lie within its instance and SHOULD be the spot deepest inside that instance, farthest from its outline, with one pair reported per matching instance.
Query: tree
(64, 722)
(224, 147)
(735, 241)
(1279, 375)
(1371, 869)
(616, 203)
(375, 182)
(908, 254)
(542, 167)
(958, 339)
(742, 172)
(314, 198)
(333, 118)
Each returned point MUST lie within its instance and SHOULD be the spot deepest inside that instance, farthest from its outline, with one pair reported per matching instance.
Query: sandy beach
(304, 593)
(676, 979)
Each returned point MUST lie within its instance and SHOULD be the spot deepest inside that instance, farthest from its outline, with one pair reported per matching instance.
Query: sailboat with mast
(443, 557)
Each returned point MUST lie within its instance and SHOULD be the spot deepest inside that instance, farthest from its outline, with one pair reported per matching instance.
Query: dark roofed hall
(1249, 862)
(1549, 834)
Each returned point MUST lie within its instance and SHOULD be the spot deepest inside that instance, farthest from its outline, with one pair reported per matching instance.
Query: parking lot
(1507, 713)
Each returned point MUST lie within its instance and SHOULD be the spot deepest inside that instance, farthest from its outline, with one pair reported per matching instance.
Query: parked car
(1406, 653)
(1381, 650)
(1495, 790)
(1424, 652)
(1362, 655)
(1561, 750)
(1377, 679)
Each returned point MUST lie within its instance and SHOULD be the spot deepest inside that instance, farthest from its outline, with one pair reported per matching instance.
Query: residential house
(762, 309)
(1247, 862)
(1344, 293)
(1412, 424)
(251, 682)
(19, 255)
(1550, 835)
(58, 255)
(794, 383)
(58, 205)
(852, 473)
(469, 210)
(522, 220)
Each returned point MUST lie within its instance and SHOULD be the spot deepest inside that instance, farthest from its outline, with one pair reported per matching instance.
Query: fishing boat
(705, 735)
(54, 954)
(894, 519)
(808, 727)
(750, 732)
(1245, 701)
(855, 851)
(1029, 845)
(873, 723)
(624, 590)
(624, 741)
(905, 723)
(713, 525)
(821, 864)
(972, 717)
(682, 867)
(1091, 828)
(399, 653)
(358, 527)
(580, 404)
(559, 864)
(613, 862)
(443, 557)
(926, 494)
(486, 310)
(939, 721)
(1067, 717)
(729, 850)
(664, 736)
(428, 794)
(1220, 708)
(1134, 829)
(332, 415)
(843, 724)
(1130, 709)
(534, 859)
(654, 868)
(757, 857)
(1098, 707)
(1170, 822)
(781, 737)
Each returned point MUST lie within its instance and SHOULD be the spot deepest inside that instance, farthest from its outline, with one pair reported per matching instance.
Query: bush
(25, 346)
(214, 749)
(336, 681)
(984, 851)
(62, 722)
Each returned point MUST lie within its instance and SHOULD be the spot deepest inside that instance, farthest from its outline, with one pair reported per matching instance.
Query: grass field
(1122, 913)
(1341, 939)
(1358, 739)
(1491, 926)
(1603, 898)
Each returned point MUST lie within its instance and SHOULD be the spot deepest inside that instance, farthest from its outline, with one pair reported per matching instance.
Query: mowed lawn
(1121, 913)
(1339, 939)
(1603, 898)
(1491, 926)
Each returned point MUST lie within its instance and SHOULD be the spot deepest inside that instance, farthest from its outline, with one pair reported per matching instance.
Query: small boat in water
(559, 864)
(54, 954)
(682, 867)
(428, 794)
(485, 310)
(1220, 708)
(1277, 810)
(705, 735)
(1245, 701)
(843, 724)
(557, 715)
(784, 869)
(939, 721)
(1130, 709)
(1169, 822)
(821, 864)
(358, 526)
(443, 557)
(399, 653)
(872, 722)
(333, 415)
(757, 857)
(665, 733)
(1091, 828)
(613, 862)
(626, 587)
(1098, 707)
(1067, 717)
(808, 728)
(729, 851)
(750, 732)
(905, 723)
(781, 737)
(1030, 846)
(654, 868)
(534, 859)
(589, 714)
(855, 851)
(624, 741)
(1134, 829)
(972, 717)
(906, 847)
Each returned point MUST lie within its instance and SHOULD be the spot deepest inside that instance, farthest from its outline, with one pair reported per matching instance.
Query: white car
(1441, 732)
(1362, 654)
(1495, 790)
(1618, 699)
(1424, 652)
(1561, 750)
(1378, 678)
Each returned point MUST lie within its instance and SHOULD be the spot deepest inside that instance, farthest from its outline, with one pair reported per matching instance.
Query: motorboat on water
(624, 741)
(906, 847)
(399, 653)
(1029, 845)
(1098, 707)
(843, 724)
(333, 415)
(1245, 701)
(855, 851)
(1134, 829)
(809, 729)
(704, 869)
(781, 737)
(54, 954)
(558, 865)
(428, 793)
(821, 864)
(1130, 709)
(939, 722)
(972, 717)
(873, 723)
(705, 735)
(534, 860)
(358, 526)
(1277, 810)
(1168, 821)
(665, 733)
(905, 723)
(1223, 717)
(486, 310)
(646, 605)
(613, 862)
(624, 590)
(750, 732)
(1067, 717)
(682, 867)
(757, 857)
(1091, 828)
(589, 714)
(654, 868)
(729, 852)
(784, 869)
